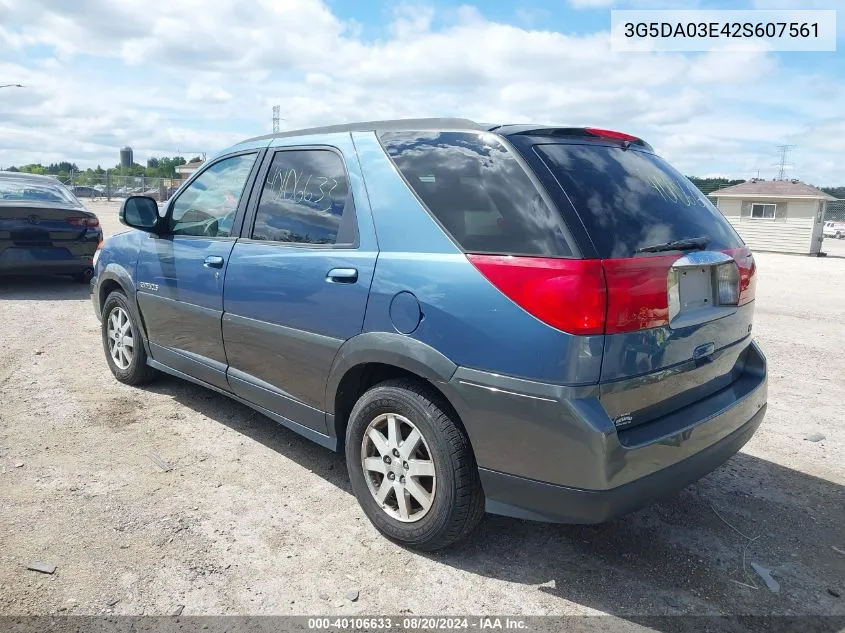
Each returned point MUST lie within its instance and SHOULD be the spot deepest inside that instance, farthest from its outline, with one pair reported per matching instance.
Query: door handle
(213, 261)
(342, 275)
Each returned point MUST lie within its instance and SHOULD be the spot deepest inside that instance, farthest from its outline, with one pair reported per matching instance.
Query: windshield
(631, 199)
(25, 191)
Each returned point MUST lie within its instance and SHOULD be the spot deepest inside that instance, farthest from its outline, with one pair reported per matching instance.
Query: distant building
(186, 171)
(126, 158)
(786, 216)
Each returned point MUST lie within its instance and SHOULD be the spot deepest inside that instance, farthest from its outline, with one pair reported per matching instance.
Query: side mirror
(141, 212)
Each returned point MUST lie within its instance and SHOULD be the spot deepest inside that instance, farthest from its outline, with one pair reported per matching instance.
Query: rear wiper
(690, 244)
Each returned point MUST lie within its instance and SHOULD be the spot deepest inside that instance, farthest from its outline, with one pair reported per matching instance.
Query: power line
(782, 164)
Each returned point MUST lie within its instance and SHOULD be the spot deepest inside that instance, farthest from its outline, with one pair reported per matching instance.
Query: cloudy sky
(197, 75)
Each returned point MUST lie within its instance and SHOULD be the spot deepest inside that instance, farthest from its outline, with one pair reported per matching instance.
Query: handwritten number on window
(297, 187)
(323, 182)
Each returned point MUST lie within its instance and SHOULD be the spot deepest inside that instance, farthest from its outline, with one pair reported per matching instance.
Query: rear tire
(123, 342)
(447, 479)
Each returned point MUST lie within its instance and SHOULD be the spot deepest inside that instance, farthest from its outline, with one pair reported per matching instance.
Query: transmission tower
(276, 110)
(782, 164)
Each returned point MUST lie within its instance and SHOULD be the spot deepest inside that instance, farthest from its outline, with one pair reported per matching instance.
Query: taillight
(568, 294)
(747, 273)
(610, 296)
(727, 284)
(637, 292)
(612, 134)
(84, 222)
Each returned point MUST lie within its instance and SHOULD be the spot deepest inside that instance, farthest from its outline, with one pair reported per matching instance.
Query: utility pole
(276, 111)
(782, 164)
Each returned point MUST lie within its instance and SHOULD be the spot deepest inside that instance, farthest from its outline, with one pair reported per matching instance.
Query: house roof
(188, 167)
(771, 189)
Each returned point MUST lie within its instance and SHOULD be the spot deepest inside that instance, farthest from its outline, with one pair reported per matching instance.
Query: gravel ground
(249, 518)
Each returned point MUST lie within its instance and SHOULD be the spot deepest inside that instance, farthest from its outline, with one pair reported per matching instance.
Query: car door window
(209, 204)
(305, 199)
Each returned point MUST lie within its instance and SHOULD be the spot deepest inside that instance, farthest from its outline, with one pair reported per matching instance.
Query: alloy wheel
(120, 338)
(398, 467)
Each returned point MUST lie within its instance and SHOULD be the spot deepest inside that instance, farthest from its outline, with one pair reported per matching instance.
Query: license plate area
(695, 286)
(692, 290)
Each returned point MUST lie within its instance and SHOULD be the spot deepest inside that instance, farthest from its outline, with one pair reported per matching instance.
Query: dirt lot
(251, 518)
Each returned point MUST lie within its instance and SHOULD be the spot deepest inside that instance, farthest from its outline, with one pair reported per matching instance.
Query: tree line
(160, 167)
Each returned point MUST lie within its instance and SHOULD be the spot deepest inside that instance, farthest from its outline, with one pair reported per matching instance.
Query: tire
(130, 365)
(84, 276)
(456, 498)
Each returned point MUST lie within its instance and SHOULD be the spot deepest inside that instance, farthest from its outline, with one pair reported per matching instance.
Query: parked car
(835, 229)
(547, 323)
(84, 191)
(44, 228)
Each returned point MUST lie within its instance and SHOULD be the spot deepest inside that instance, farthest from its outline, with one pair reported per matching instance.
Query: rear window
(479, 192)
(630, 199)
(23, 191)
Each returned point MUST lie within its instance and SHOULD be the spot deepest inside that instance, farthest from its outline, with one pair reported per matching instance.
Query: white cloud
(532, 16)
(635, 4)
(197, 76)
(204, 92)
(592, 4)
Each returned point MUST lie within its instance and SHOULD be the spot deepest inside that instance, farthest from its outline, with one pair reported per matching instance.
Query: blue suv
(542, 322)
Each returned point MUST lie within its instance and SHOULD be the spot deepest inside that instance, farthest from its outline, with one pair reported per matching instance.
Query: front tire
(123, 343)
(411, 466)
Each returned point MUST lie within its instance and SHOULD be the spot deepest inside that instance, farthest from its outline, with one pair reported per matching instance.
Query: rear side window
(23, 191)
(630, 199)
(479, 192)
(305, 200)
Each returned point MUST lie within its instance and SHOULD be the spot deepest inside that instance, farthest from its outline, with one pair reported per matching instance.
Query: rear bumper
(67, 259)
(552, 453)
(539, 501)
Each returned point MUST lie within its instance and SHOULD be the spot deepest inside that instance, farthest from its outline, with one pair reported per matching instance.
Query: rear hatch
(679, 281)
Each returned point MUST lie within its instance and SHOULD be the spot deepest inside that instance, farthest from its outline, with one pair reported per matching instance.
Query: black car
(44, 228)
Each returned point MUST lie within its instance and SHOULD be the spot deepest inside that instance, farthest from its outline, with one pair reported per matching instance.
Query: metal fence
(110, 186)
(835, 210)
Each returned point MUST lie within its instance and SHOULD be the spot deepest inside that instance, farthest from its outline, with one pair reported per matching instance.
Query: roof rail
(389, 124)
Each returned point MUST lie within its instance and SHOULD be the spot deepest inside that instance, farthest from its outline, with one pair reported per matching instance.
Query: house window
(763, 211)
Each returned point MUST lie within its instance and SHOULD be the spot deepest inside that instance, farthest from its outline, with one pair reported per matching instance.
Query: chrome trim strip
(505, 391)
(702, 258)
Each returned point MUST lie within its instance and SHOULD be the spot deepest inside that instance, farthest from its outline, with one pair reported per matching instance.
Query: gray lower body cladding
(552, 453)
(535, 500)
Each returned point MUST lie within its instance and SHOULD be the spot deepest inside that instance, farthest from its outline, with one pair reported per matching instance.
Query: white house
(775, 215)
(187, 170)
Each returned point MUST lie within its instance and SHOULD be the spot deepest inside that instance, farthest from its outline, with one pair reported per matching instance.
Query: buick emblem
(34, 219)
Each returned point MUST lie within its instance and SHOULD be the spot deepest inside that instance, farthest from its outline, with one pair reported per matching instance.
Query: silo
(126, 157)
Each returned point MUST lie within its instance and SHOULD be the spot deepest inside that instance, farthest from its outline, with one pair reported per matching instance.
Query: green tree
(709, 185)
